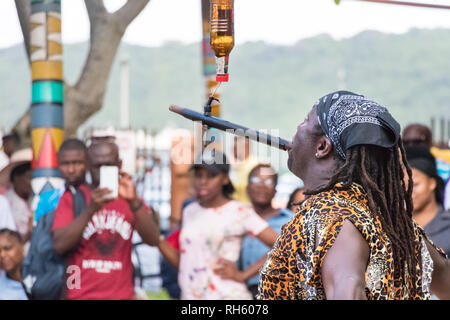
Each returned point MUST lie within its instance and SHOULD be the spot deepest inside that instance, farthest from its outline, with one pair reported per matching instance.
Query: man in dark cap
(353, 237)
(416, 134)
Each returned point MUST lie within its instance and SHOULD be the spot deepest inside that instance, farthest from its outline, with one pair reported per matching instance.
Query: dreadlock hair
(380, 172)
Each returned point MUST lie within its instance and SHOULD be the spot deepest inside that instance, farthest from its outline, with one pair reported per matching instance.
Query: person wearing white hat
(17, 158)
(19, 192)
(10, 142)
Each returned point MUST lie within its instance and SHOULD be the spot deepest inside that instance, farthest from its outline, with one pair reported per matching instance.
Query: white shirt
(11, 289)
(6, 217)
(20, 210)
(207, 235)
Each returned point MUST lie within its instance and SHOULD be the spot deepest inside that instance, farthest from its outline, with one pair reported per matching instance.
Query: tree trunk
(85, 97)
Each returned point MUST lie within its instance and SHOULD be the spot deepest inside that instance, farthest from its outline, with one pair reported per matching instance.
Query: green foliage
(270, 86)
(161, 295)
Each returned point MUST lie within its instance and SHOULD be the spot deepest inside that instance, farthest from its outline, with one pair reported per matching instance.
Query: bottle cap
(222, 77)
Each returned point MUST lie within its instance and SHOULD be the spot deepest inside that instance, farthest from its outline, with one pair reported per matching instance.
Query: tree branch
(413, 4)
(85, 98)
(23, 129)
(97, 13)
(129, 11)
(94, 7)
(23, 8)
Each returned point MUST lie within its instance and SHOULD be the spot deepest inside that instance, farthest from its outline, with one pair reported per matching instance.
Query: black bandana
(349, 119)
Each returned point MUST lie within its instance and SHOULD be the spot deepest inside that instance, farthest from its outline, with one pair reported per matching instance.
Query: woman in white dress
(213, 228)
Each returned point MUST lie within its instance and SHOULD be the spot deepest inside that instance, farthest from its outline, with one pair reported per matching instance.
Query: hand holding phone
(109, 178)
(99, 197)
(127, 189)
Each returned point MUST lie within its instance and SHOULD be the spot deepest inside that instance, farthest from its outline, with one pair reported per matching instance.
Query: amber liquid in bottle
(222, 35)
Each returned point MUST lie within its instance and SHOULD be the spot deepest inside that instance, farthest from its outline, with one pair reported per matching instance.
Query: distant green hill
(270, 86)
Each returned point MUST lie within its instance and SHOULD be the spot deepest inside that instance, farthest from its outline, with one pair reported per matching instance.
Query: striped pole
(209, 61)
(47, 96)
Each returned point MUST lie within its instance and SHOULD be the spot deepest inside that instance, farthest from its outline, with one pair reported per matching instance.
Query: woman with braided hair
(354, 236)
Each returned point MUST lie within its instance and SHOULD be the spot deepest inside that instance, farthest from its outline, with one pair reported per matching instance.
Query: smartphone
(109, 178)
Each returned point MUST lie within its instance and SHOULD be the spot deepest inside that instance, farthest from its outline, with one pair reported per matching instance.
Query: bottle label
(221, 65)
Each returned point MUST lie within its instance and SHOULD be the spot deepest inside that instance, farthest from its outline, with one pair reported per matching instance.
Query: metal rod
(412, 4)
(237, 129)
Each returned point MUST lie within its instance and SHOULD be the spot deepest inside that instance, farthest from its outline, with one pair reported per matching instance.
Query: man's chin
(289, 162)
(75, 183)
(291, 167)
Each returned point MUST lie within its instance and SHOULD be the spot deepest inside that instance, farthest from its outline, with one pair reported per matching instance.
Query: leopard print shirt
(292, 269)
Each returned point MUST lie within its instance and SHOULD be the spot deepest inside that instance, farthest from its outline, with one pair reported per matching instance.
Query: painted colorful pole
(209, 61)
(47, 97)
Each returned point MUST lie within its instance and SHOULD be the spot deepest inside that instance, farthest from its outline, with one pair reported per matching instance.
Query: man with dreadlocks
(353, 237)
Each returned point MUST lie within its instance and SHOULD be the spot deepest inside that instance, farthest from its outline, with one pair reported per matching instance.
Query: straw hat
(17, 158)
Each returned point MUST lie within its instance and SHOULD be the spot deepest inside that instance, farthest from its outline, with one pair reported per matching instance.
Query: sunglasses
(267, 182)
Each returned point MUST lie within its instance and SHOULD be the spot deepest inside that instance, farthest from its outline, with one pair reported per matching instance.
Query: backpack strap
(79, 201)
(29, 296)
(79, 204)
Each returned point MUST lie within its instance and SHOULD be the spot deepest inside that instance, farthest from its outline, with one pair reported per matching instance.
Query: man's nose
(203, 180)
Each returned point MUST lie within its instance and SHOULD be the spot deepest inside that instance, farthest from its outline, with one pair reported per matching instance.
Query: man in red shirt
(98, 241)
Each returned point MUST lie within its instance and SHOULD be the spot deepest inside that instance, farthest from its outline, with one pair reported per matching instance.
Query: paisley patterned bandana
(349, 119)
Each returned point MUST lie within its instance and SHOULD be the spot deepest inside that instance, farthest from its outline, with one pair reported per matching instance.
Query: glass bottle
(222, 35)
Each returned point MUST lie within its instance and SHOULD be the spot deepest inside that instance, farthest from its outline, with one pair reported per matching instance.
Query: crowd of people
(370, 222)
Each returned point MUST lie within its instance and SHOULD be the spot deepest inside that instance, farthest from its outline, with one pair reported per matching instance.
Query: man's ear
(324, 147)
